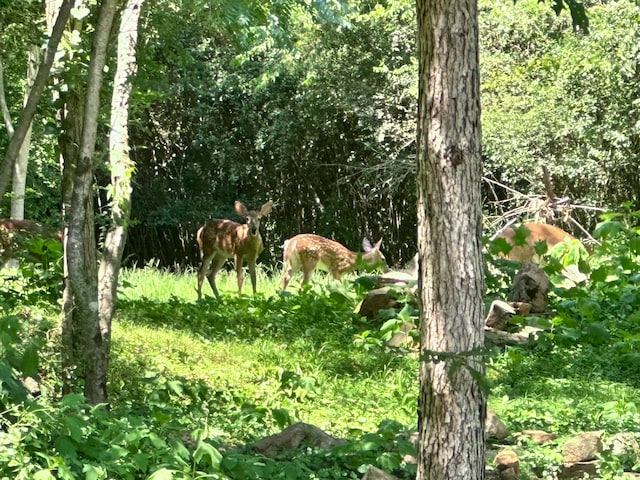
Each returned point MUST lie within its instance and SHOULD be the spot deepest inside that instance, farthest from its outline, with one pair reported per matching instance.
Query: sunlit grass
(158, 284)
(280, 351)
(296, 351)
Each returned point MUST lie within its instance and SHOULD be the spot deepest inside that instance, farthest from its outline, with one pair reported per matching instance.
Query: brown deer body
(307, 252)
(219, 240)
(539, 232)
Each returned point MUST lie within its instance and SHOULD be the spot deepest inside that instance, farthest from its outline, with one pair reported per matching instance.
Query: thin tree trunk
(80, 253)
(6, 115)
(122, 167)
(452, 404)
(34, 97)
(20, 171)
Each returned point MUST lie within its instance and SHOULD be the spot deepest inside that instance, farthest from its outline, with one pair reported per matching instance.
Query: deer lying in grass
(523, 250)
(307, 252)
(222, 239)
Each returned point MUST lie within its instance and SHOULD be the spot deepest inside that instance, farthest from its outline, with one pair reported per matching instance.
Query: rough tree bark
(69, 117)
(451, 404)
(80, 251)
(122, 168)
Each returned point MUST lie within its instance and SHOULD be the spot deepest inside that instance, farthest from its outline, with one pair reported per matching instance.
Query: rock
(494, 428)
(377, 299)
(499, 314)
(579, 469)
(507, 464)
(538, 436)
(32, 386)
(374, 473)
(582, 448)
(531, 285)
(499, 338)
(403, 336)
(623, 443)
(292, 437)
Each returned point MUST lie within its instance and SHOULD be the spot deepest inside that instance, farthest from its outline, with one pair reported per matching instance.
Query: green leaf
(43, 475)
(540, 247)
(389, 461)
(65, 447)
(597, 334)
(599, 274)
(176, 386)
(500, 246)
(162, 474)
(157, 441)
(282, 417)
(10, 385)
(92, 472)
(29, 364)
(140, 461)
(75, 426)
(209, 452)
(608, 229)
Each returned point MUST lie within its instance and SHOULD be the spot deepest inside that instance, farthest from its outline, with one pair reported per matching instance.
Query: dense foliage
(195, 384)
(315, 109)
(570, 102)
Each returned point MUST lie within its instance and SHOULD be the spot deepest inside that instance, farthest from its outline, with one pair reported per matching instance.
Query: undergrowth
(193, 385)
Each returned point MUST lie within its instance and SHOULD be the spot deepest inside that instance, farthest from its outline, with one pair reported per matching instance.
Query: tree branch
(34, 97)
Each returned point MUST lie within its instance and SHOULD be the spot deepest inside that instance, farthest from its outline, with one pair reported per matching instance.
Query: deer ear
(366, 245)
(266, 208)
(377, 245)
(240, 208)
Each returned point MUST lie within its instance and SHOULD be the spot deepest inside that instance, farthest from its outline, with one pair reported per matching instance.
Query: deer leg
(237, 260)
(202, 271)
(307, 271)
(216, 264)
(252, 273)
(287, 272)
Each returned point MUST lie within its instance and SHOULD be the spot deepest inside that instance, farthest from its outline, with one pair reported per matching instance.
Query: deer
(525, 252)
(308, 251)
(219, 240)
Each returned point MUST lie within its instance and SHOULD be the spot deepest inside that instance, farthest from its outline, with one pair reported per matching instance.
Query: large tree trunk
(34, 97)
(121, 167)
(70, 118)
(80, 252)
(451, 403)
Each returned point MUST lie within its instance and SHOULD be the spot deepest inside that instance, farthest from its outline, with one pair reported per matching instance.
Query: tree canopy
(320, 116)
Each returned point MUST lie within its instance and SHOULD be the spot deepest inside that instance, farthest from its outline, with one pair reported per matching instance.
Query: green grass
(247, 342)
(292, 350)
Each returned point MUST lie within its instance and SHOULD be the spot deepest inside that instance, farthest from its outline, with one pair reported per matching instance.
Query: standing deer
(307, 251)
(222, 239)
(538, 232)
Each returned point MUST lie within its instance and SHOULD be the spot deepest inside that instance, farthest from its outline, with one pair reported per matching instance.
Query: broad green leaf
(93, 472)
(65, 447)
(43, 475)
(207, 451)
(162, 474)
